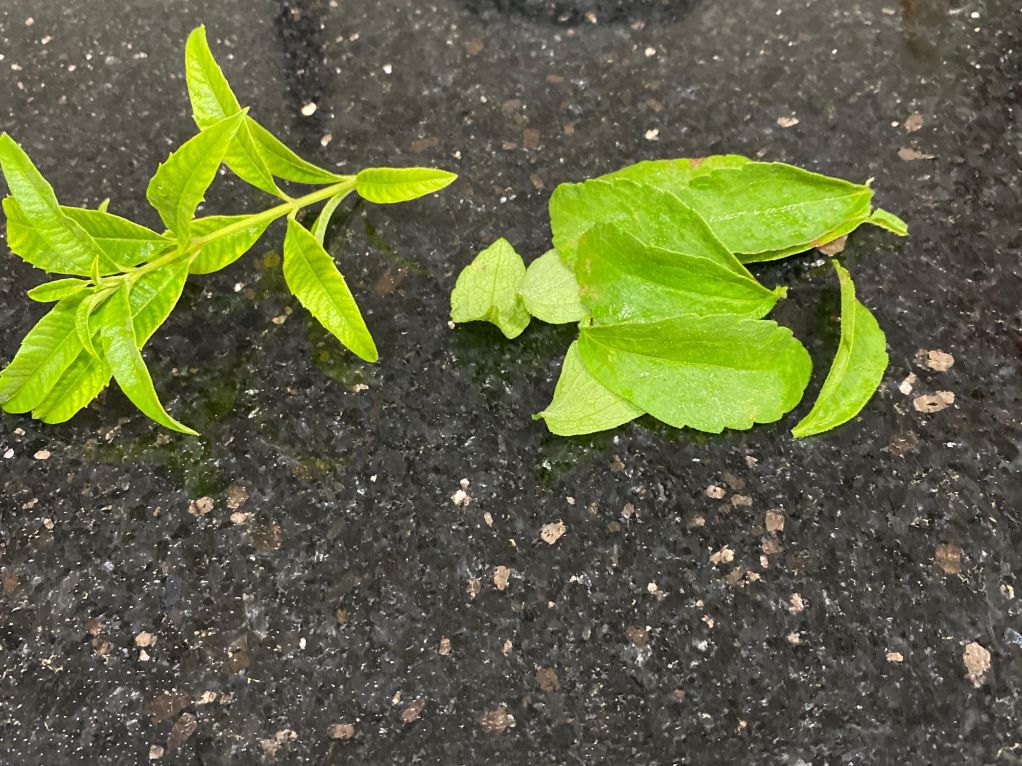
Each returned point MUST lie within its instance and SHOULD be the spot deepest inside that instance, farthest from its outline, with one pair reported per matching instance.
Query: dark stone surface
(658, 657)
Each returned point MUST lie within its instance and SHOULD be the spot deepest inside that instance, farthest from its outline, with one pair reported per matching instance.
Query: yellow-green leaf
(224, 250)
(180, 183)
(313, 278)
(37, 230)
(125, 242)
(212, 100)
(47, 350)
(152, 299)
(389, 185)
(121, 352)
(283, 162)
(49, 292)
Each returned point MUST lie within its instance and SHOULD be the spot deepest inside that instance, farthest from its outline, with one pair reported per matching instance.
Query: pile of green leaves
(650, 261)
(124, 278)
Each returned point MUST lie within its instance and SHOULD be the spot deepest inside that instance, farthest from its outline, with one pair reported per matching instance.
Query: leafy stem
(127, 278)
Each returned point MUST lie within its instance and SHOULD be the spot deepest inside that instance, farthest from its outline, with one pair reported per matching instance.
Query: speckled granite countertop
(742, 598)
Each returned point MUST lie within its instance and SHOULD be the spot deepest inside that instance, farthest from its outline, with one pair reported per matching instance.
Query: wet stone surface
(742, 598)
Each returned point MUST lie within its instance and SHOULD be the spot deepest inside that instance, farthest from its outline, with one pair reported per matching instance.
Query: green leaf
(83, 316)
(47, 350)
(124, 241)
(581, 404)
(152, 299)
(224, 250)
(213, 100)
(707, 373)
(313, 277)
(651, 215)
(37, 230)
(858, 367)
(208, 90)
(388, 185)
(180, 183)
(764, 211)
(675, 174)
(283, 162)
(323, 220)
(48, 292)
(487, 290)
(104, 206)
(888, 221)
(623, 280)
(121, 352)
(550, 291)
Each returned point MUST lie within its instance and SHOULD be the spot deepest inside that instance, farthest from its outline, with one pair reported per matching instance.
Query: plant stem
(342, 187)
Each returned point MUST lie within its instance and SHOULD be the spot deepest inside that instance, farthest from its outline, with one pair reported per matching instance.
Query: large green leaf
(121, 352)
(283, 162)
(674, 174)
(764, 211)
(651, 215)
(37, 230)
(624, 280)
(858, 366)
(225, 250)
(389, 185)
(583, 405)
(213, 100)
(126, 242)
(49, 292)
(180, 183)
(313, 277)
(550, 291)
(152, 299)
(707, 373)
(487, 290)
(46, 352)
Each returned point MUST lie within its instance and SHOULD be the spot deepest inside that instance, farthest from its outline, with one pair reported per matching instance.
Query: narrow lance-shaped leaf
(48, 292)
(583, 405)
(212, 100)
(313, 278)
(37, 230)
(389, 185)
(46, 351)
(707, 373)
(124, 241)
(487, 290)
(283, 162)
(624, 280)
(152, 298)
(550, 291)
(121, 352)
(858, 366)
(83, 316)
(323, 220)
(180, 183)
(224, 250)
